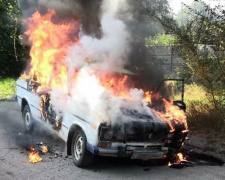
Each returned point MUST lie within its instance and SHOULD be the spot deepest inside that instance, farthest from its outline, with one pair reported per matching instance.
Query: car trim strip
(81, 118)
(92, 149)
(35, 107)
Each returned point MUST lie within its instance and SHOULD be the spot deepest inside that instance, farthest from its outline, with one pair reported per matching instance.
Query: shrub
(7, 88)
(201, 112)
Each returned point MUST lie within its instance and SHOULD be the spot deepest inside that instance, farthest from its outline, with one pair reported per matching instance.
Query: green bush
(7, 88)
(201, 112)
(160, 39)
(201, 44)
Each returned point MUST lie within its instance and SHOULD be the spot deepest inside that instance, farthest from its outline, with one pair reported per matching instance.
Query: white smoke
(107, 53)
(90, 100)
(87, 95)
(111, 50)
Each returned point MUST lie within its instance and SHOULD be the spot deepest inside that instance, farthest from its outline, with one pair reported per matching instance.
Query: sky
(176, 5)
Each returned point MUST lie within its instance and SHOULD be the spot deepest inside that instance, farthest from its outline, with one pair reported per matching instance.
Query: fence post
(171, 61)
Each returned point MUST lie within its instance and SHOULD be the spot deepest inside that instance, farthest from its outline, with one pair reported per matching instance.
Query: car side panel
(69, 119)
(90, 130)
(32, 99)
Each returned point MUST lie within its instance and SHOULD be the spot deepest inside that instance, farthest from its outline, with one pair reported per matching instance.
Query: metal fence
(167, 57)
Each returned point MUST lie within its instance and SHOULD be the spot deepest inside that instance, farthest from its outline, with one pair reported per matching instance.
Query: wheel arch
(73, 128)
(24, 103)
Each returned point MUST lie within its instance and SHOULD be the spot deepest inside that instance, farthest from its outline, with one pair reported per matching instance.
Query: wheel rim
(27, 119)
(78, 147)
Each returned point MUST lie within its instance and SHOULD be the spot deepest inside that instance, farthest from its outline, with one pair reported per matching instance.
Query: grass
(201, 113)
(203, 117)
(195, 93)
(7, 88)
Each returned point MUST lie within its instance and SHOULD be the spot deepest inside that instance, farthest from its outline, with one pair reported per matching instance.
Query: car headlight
(108, 134)
(170, 135)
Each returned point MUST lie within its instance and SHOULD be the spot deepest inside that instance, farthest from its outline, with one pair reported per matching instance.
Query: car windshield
(119, 83)
(130, 81)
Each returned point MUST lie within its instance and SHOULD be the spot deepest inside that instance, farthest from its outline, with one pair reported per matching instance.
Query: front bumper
(134, 151)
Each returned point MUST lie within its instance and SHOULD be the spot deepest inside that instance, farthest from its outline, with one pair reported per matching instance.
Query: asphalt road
(14, 162)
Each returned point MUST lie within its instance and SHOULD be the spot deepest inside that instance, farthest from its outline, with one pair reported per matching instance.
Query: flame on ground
(178, 159)
(34, 156)
(44, 149)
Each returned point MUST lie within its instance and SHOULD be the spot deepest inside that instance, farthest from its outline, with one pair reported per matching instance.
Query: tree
(160, 39)
(11, 49)
(202, 45)
(184, 15)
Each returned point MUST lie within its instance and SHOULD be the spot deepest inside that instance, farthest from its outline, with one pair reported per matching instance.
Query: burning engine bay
(75, 73)
(170, 117)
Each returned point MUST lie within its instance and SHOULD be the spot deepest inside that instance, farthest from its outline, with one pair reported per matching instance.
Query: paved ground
(14, 163)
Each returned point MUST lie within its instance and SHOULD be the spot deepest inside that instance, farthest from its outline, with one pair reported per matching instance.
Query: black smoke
(139, 18)
(88, 11)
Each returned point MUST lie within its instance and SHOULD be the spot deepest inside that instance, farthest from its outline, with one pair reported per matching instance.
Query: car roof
(124, 71)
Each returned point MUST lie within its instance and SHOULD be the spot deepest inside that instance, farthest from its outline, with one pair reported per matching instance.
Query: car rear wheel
(81, 155)
(27, 119)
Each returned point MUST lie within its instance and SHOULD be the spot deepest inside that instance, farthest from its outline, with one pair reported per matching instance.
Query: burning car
(76, 85)
(139, 133)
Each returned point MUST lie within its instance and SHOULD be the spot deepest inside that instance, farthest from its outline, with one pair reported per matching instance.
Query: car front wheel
(81, 155)
(27, 119)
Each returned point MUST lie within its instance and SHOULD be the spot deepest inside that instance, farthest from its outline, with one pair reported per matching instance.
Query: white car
(145, 137)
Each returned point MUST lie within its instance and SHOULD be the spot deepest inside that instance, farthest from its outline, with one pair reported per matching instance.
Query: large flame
(51, 40)
(173, 114)
(50, 45)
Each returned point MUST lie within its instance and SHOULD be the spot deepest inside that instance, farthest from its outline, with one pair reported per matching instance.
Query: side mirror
(180, 104)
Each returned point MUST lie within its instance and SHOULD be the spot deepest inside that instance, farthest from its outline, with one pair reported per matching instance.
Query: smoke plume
(104, 45)
(111, 50)
(88, 11)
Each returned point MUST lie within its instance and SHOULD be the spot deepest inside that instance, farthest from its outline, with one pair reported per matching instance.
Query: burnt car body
(143, 137)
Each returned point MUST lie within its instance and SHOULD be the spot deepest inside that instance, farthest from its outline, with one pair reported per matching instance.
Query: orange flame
(55, 156)
(50, 44)
(178, 159)
(173, 113)
(33, 155)
(44, 149)
(115, 85)
(148, 97)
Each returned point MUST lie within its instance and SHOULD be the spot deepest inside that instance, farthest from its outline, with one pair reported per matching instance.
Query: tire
(82, 157)
(27, 119)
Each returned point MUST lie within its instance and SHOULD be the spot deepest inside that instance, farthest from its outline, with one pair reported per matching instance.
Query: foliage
(7, 88)
(201, 112)
(184, 15)
(204, 116)
(11, 49)
(195, 93)
(160, 39)
(202, 44)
